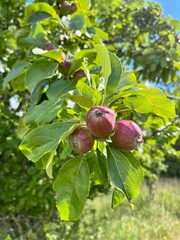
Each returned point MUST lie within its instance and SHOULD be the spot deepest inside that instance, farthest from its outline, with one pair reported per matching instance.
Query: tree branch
(173, 97)
(162, 129)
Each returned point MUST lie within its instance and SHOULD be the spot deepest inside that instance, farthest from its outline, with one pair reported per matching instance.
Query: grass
(155, 217)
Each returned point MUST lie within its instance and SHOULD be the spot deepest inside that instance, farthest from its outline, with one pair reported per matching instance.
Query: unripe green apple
(127, 135)
(100, 121)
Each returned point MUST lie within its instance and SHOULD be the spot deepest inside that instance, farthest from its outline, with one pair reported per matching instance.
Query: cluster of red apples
(101, 123)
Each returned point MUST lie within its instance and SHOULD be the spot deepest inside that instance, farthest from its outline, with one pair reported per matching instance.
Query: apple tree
(66, 71)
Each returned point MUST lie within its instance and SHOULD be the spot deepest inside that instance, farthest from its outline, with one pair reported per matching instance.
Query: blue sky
(170, 7)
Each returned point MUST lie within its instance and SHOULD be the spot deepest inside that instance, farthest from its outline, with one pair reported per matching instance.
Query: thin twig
(173, 97)
(162, 129)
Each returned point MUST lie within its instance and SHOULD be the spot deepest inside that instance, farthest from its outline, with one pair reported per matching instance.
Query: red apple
(100, 121)
(127, 135)
(81, 140)
(65, 65)
(78, 74)
(49, 46)
(67, 8)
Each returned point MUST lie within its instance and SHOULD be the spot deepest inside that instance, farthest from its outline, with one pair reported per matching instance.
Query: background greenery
(144, 40)
(154, 217)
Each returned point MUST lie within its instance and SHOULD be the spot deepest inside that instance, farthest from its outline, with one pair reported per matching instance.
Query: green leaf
(55, 54)
(21, 130)
(36, 36)
(100, 33)
(85, 53)
(136, 89)
(149, 51)
(103, 59)
(152, 100)
(72, 187)
(38, 11)
(135, 163)
(176, 24)
(20, 33)
(15, 72)
(97, 34)
(125, 172)
(32, 41)
(38, 71)
(46, 162)
(126, 91)
(77, 63)
(83, 4)
(18, 83)
(85, 90)
(38, 16)
(115, 75)
(49, 165)
(38, 91)
(37, 32)
(82, 101)
(98, 168)
(41, 163)
(44, 139)
(77, 22)
(171, 39)
(43, 113)
(117, 197)
(127, 78)
(59, 88)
